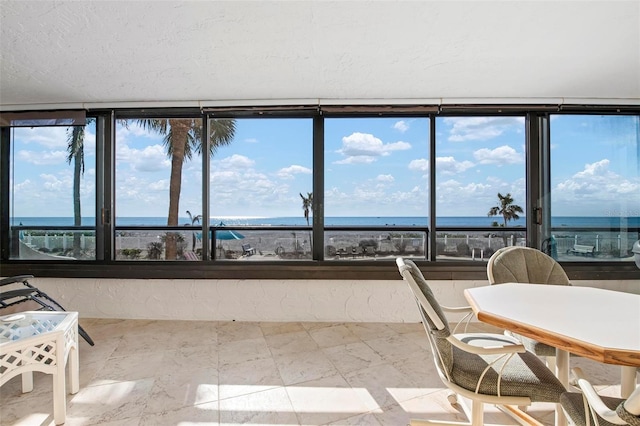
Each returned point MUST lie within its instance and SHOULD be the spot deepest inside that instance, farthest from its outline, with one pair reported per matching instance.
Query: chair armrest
(15, 279)
(456, 309)
(595, 402)
(487, 350)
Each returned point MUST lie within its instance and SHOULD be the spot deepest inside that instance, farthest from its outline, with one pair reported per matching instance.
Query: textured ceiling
(105, 53)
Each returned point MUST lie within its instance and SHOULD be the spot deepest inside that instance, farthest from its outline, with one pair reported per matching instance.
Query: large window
(52, 193)
(262, 177)
(595, 186)
(480, 183)
(376, 183)
(158, 187)
(238, 193)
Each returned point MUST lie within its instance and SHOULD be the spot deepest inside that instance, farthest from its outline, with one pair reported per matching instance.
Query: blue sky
(373, 167)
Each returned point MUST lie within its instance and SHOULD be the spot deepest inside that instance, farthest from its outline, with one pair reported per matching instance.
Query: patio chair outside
(483, 367)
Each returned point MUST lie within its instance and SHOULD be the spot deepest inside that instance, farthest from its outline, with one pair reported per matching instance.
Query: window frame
(536, 139)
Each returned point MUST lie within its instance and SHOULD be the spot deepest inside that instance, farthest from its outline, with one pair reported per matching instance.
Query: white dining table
(602, 325)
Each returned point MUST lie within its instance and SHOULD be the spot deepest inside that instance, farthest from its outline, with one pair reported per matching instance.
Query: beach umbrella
(226, 234)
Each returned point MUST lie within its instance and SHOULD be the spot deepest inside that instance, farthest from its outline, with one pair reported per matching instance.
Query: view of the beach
(255, 239)
(376, 190)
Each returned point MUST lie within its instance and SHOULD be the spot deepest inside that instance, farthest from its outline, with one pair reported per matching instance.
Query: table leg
(27, 381)
(562, 372)
(59, 384)
(74, 370)
(628, 381)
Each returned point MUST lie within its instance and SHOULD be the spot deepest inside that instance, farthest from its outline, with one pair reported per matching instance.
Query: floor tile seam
(286, 353)
(372, 364)
(267, 388)
(148, 414)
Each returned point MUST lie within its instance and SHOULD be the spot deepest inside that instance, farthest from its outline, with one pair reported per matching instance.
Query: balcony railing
(296, 242)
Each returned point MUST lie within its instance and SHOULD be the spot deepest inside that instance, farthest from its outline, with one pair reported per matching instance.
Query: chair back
(629, 410)
(525, 265)
(433, 317)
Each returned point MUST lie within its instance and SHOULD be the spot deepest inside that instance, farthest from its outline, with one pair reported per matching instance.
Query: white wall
(260, 300)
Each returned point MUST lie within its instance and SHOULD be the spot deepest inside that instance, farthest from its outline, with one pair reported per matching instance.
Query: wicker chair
(483, 367)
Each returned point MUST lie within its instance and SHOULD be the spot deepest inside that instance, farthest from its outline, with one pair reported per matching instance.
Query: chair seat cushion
(628, 417)
(538, 348)
(524, 374)
(573, 404)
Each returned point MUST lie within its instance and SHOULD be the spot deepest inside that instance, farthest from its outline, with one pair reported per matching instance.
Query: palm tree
(307, 206)
(75, 147)
(183, 138)
(194, 219)
(507, 209)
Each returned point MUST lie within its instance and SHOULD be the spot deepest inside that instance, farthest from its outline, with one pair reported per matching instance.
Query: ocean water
(457, 221)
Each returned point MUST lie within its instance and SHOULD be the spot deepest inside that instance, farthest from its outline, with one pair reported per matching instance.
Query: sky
(373, 167)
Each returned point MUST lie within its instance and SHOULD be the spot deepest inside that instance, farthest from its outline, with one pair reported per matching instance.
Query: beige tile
(394, 348)
(267, 407)
(248, 377)
(288, 343)
(328, 399)
(367, 331)
(201, 414)
(352, 357)
(234, 330)
(304, 366)
(177, 390)
(132, 367)
(242, 351)
(333, 336)
(181, 372)
(386, 384)
(109, 402)
(271, 328)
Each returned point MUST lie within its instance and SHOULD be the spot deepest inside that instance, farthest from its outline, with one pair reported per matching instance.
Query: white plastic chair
(483, 367)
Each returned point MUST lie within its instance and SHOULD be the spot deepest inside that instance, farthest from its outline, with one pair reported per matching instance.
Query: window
(261, 177)
(448, 187)
(595, 186)
(480, 183)
(53, 193)
(376, 183)
(158, 188)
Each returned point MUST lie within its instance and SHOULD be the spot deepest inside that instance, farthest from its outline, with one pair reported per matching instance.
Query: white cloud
(289, 172)
(48, 137)
(361, 159)
(43, 157)
(401, 126)
(385, 178)
(236, 162)
(251, 140)
(500, 156)
(53, 183)
(366, 148)
(598, 188)
(159, 185)
(449, 165)
(481, 128)
(150, 159)
(421, 164)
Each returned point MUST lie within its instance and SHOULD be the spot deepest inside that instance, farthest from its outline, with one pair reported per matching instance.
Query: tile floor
(229, 373)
